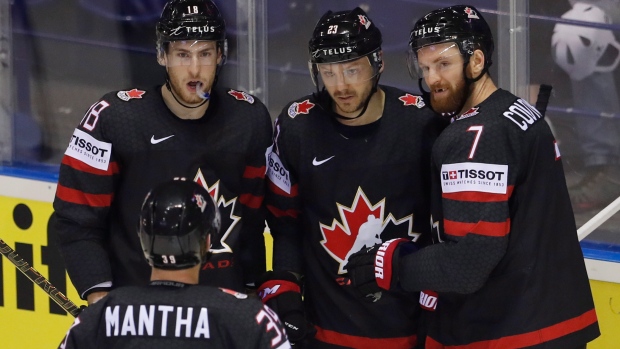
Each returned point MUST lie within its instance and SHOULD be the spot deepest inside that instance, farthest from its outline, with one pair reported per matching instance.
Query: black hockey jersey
(508, 267)
(175, 315)
(127, 143)
(333, 189)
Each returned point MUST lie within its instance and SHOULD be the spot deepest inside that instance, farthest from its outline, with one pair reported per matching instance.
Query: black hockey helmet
(344, 36)
(184, 20)
(461, 24)
(176, 218)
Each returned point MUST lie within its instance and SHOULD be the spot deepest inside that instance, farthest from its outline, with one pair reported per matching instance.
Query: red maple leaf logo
(304, 107)
(409, 99)
(362, 224)
(135, 93)
(470, 13)
(241, 96)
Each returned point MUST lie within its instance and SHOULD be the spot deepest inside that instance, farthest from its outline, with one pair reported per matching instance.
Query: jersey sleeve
(87, 179)
(283, 202)
(252, 255)
(473, 181)
(271, 332)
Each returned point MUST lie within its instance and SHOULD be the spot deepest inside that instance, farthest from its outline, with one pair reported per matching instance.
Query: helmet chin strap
(206, 96)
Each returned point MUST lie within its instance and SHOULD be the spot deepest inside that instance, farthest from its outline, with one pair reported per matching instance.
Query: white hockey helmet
(578, 49)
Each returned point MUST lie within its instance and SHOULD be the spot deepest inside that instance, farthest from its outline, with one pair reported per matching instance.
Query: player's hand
(281, 291)
(94, 297)
(375, 269)
(361, 273)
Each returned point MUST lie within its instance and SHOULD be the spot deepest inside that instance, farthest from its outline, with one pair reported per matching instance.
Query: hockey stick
(544, 92)
(598, 219)
(38, 279)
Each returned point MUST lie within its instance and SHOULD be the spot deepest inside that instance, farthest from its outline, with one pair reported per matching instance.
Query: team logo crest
(361, 225)
(127, 95)
(468, 114)
(241, 96)
(300, 108)
(227, 209)
(409, 99)
(471, 13)
(364, 21)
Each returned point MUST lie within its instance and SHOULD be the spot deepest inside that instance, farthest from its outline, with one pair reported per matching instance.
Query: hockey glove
(281, 291)
(375, 269)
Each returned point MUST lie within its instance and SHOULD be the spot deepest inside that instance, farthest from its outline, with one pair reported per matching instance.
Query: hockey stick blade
(38, 279)
(543, 98)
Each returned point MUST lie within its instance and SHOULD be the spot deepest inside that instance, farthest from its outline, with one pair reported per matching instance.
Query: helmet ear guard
(176, 220)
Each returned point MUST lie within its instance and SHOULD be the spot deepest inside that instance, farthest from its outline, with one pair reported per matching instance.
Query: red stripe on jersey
(350, 341)
(80, 166)
(81, 198)
(254, 172)
(480, 228)
(281, 213)
(476, 196)
(275, 189)
(526, 339)
(251, 201)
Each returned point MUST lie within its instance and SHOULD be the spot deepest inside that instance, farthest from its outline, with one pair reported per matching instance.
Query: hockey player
(507, 270)
(177, 222)
(349, 168)
(131, 140)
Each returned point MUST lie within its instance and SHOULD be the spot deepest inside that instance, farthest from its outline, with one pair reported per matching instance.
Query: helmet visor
(344, 73)
(185, 53)
(438, 59)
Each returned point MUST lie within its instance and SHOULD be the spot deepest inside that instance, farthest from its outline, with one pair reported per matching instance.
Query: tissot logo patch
(276, 172)
(474, 176)
(89, 150)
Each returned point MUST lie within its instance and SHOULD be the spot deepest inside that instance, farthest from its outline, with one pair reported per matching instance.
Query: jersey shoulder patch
(297, 108)
(409, 99)
(241, 96)
(522, 114)
(131, 94)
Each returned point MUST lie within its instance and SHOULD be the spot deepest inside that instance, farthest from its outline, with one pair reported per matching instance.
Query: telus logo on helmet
(425, 30)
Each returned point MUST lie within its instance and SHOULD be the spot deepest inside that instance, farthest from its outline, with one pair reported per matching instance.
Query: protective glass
(434, 59)
(344, 73)
(185, 53)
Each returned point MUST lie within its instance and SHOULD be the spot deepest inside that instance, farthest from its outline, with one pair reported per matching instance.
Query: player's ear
(476, 63)
(161, 57)
(382, 61)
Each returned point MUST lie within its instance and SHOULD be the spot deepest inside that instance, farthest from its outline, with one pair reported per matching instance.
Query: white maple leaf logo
(228, 221)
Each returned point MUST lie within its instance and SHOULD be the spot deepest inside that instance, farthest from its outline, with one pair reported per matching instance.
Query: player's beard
(355, 105)
(180, 90)
(452, 99)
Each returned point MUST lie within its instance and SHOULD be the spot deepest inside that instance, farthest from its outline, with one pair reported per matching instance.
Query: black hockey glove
(375, 269)
(281, 291)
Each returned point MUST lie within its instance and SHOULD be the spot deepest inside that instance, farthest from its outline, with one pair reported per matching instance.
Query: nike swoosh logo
(155, 141)
(317, 163)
